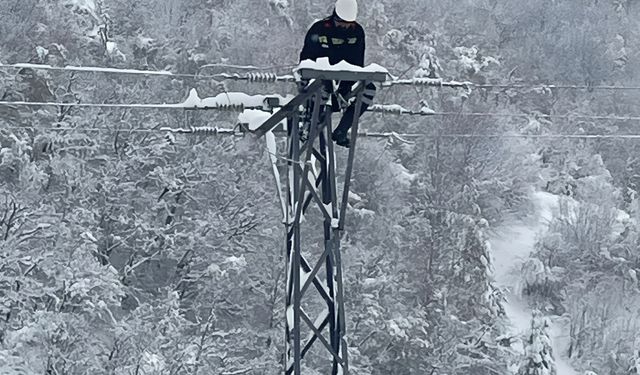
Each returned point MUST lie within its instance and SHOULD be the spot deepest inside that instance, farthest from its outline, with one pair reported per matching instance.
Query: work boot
(341, 139)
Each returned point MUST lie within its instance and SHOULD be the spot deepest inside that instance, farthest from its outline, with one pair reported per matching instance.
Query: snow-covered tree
(538, 358)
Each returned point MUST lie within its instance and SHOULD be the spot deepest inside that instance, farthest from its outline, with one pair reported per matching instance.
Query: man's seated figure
(340, 38)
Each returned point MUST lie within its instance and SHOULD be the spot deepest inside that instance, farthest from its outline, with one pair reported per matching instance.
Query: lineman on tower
(340, 38)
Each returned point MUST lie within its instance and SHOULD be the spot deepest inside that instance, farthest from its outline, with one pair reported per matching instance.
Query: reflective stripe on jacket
(335, 39)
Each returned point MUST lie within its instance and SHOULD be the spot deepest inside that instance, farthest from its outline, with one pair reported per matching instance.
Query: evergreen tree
(538, 353)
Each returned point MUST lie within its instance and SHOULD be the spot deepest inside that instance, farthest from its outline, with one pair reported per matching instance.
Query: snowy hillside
(142, 231)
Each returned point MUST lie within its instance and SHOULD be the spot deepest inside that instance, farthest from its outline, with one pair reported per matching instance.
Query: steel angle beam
(288, 109)
(331, 75)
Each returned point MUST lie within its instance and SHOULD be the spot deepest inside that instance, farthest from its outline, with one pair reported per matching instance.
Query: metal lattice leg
(316, 284)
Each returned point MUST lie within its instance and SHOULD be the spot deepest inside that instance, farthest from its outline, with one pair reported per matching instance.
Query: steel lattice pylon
(314, 276)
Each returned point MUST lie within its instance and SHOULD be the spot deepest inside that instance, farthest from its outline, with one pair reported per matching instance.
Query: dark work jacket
(339, 43)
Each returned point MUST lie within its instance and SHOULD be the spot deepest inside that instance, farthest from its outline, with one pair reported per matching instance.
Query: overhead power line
(248, 67)
(264, 77)
(89, 105)
(94, 129)
(89, 69)
(162, 106)
(506, 136)
(260, 76)
(388, 109)
(394, 109)
(257, 77)
(539, 115)
(554, 86)
(207, 130)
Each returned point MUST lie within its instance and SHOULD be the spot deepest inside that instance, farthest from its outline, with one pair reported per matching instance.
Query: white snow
(398, 109)
(90, 236)
(114, 70)
(193, 99)
(335, 223)
(427, 111)
(421, 81)
(236, 262)
(273, 157)
(392, 108)
(111, 47)
(152, 363)
(253, 118)
(622, 220)
(469, 59)
(231, 99)
(144, 42)
(42, 52)
(510, 248)
(304, 276)
(114, 52)
(355, 197)
(282, 4)
(291, 188)
(312, 173)
(84, 6)
(94, 69)
(343, 66)
(315, 169)
(290, 316)
(215, 269)
(328, 207)
(363, 212)
(402, 174)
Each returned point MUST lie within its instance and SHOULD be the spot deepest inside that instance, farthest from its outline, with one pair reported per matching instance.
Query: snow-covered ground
(511, 246)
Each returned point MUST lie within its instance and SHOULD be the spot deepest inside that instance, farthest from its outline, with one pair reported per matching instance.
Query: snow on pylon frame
(306, 184)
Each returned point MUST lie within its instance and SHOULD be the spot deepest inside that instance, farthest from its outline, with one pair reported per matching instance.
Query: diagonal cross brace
(289, 108)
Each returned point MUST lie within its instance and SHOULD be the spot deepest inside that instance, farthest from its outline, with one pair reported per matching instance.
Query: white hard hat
(347, 10)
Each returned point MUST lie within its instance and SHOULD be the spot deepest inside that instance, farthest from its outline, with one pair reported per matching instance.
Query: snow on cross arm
(323, 64)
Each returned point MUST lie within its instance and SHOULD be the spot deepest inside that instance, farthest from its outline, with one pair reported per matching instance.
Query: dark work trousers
(347, 119)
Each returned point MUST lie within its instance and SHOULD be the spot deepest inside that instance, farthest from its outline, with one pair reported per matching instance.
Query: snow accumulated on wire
(232, 101)
(263, 77)
(88, 69)
(396, 109)
(254, 77)
(237, 101)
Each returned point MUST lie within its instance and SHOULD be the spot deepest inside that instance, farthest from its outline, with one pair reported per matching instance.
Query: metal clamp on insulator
(270, 102)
